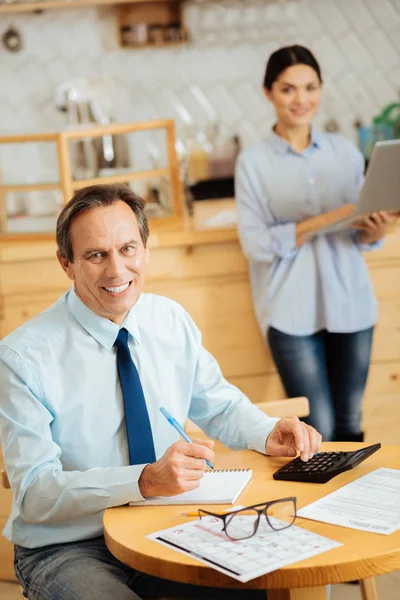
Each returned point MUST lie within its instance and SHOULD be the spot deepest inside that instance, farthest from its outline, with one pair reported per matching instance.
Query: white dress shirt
(62, 424)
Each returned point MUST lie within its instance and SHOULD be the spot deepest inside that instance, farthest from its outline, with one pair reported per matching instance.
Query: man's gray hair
(95, 196)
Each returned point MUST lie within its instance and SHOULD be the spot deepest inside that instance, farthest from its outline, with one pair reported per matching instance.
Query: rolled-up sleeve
(261, 238)
(367, 247)
(223, 411)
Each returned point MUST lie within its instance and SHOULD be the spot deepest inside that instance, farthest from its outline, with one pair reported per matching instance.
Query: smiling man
(81, 386)
(105, 252)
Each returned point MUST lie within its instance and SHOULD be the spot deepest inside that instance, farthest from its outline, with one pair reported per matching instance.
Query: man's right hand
(178, 471)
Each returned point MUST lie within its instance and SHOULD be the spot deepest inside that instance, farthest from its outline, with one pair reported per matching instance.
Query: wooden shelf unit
(151, 24)
(141, 23)
(68, 185)
(23, 7)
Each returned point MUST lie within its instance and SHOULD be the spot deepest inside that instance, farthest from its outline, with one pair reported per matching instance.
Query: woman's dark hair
(95, 196)
(287, 57)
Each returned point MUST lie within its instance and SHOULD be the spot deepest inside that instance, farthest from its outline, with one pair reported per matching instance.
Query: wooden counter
(205, 270)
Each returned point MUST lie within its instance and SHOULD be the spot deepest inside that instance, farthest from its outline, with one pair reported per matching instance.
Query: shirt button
(312, 180)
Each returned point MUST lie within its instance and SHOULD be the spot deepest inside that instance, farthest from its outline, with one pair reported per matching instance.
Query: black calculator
(324, 465)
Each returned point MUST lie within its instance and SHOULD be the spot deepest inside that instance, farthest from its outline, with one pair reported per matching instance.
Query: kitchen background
(215, 77)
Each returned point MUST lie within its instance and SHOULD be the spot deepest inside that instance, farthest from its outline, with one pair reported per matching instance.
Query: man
(81, 386)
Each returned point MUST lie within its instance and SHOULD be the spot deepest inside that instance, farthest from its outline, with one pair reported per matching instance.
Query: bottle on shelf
(200, 150)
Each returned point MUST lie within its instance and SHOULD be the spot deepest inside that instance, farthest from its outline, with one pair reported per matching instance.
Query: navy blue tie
(138, 428)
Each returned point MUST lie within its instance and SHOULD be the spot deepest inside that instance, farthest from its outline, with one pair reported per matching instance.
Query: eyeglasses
(244, 523)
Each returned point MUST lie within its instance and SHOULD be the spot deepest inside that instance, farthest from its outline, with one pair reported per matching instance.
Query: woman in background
(312, 293)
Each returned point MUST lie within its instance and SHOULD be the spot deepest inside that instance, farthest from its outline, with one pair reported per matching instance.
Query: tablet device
(381, 187)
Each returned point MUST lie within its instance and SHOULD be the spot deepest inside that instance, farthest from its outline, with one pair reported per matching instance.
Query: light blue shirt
(62, 425)
(323, 284)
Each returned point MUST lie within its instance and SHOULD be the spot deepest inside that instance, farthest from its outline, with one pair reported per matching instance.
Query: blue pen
(179, 429)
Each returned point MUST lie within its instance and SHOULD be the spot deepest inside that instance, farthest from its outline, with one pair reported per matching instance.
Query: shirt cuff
(259, 439)
(284, 240)
(125, 485)
(368, 247)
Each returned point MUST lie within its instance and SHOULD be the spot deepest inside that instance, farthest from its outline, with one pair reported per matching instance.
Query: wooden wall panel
(33, 277)
(390, 250)
(383, 380)
(386, 345)
(16, 309)
(223, 311)
(381, 418)
(386, 281)
(189, 262)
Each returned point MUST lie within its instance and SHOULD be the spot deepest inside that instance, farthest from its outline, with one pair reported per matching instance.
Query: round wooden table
(362, 556)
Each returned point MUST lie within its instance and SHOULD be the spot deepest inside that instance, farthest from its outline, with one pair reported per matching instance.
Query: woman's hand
(375, 226)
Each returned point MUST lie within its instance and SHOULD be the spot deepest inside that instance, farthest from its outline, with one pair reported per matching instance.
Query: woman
(312, 293)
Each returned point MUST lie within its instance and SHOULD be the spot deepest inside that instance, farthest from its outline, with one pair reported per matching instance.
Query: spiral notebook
(216, 487)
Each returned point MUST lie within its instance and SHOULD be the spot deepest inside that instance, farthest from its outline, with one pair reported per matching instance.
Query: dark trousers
(86, 570)
(331, 370)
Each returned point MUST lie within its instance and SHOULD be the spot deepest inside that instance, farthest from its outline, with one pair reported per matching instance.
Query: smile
(300, 112)
(118, 289)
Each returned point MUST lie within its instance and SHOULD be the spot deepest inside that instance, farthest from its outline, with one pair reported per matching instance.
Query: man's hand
(178, 471)
(292, 435)
(375, 226)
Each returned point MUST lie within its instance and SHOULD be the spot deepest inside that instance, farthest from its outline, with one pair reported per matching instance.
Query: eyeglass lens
(281, 514)
(244, 524)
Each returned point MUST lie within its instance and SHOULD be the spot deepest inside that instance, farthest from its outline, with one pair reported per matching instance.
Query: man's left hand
(292, 435)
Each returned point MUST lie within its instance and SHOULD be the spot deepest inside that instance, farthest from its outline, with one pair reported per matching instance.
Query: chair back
(4, 480)
(289, 407)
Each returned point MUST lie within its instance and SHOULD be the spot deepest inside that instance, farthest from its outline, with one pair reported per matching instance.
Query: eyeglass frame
(260, 511)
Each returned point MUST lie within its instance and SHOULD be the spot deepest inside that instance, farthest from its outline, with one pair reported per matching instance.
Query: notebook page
(216, 487)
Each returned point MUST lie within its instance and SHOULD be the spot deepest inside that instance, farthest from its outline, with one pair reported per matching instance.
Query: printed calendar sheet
(243, 560)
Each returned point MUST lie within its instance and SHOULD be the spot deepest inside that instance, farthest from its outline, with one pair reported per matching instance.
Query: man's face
(109, 260)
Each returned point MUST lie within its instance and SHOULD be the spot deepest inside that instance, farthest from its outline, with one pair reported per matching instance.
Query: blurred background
(204, 69)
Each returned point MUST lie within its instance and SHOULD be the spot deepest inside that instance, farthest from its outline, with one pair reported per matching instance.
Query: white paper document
(224, 218)
(370, 503)
(217, 487)
(243, 560)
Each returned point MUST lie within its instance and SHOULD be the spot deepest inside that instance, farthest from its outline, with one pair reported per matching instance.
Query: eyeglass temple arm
(226, 514)
(249, 509)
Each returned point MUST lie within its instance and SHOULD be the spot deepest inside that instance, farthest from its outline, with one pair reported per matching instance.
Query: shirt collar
(103, 330)
(282, 146)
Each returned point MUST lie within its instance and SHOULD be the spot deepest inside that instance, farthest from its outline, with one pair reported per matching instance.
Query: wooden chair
(4, 480)
(6, 484)
(290, 407)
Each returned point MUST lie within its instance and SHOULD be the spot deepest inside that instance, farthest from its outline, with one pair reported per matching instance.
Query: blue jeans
(86, 570)
(331, 370)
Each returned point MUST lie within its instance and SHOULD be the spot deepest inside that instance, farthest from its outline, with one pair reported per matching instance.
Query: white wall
(356, 41)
